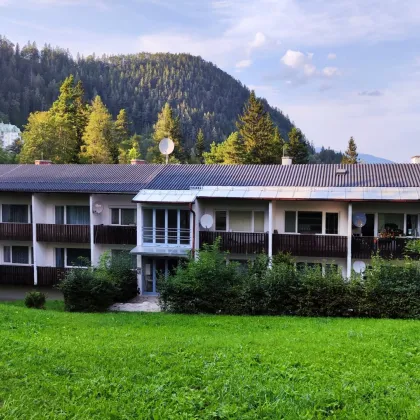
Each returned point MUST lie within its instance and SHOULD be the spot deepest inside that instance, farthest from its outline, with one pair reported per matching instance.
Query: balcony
(75, 234)
(16, 275)
(16, 231)
(237, 242)
(115, 235)
(49, 276)
(363, 247)
(322, 246)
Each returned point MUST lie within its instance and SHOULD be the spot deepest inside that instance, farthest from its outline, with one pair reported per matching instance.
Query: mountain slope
(201, 94)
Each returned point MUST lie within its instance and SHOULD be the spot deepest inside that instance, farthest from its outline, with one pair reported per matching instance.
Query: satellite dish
(359, 267)
(166, 147)
(98, 208)
(206, 221)
(359, 219)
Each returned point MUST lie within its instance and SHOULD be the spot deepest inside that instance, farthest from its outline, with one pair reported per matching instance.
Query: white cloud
(258, 41)
(330, 71)
(243, 64)
(371, 93)
(309, 69)
(331, 56)
(296, 59)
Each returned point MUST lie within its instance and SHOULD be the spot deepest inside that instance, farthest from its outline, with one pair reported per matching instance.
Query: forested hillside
(202, 95)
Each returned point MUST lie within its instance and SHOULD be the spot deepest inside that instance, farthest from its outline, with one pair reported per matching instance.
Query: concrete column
(92, 232)
(349, 237)
(34, 241)
(139, 244)
(196, 228)
(270, 230)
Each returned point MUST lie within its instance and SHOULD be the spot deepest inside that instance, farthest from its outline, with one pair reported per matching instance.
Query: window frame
(65, 214)
(76, 266)
(29, 210)
(30, 255)
(120, 208)
(228, 229)
(323, 222)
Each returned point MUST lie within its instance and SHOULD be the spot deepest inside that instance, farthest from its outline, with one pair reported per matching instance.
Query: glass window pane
(331, 221)
(20, 255)
(258, 221)
(172, 226)
(14, 213)
(7, 254)
(32, 254)
(240, 221)
(160, 226)
(391, 223)
(185, 227)
(148, 275)
(78, 215)
(59, 257)
(309, 222)
(148, 225)
(221, 220)
(115, 216)
(78, 257)
(412, 224)
(290, 221)
(59, 215)
(128, 217)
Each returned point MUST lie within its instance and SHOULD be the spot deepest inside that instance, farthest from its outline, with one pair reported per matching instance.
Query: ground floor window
(18, 254)
(72, 257)
(153, 269)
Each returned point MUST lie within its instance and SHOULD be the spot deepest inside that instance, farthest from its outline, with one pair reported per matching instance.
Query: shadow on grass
(51, 305)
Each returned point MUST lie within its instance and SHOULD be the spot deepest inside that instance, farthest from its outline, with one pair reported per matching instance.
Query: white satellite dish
(166, 147)
(98, 208)
(359, 219)
(206, 221)
(359, 267)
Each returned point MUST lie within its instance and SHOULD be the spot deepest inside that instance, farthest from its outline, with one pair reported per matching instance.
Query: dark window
(7, 255)
(128, 217)
(59, 257)
(221, 220)
(290, 222)
(59, 215)
(14, 213)
(184, 227)
(78, 215)
(78, 257)
(115, 216)
(331, 220)
(16, 254)
(310, 222)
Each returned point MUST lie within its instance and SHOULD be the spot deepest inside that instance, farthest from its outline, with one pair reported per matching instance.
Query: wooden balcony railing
(76, 234)
(16, 231)
(115, 235)
(323, 246)
(49, 276)
(363, 247)
(238, 242)
(16, 275)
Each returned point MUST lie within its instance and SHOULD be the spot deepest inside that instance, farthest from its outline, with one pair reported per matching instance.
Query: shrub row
(211, 285)
(94, 289)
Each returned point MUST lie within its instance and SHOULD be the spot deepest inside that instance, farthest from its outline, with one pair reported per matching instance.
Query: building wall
(110, 201)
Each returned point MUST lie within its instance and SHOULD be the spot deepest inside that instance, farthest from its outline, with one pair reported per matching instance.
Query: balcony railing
(115, 235)
(49, 276)
(16, 275)
(363, 247)
(166, 237)
(237, 242)
(79, 234)
(16, 231)
(323, 246)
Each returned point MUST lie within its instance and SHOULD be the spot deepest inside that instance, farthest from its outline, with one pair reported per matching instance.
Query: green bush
(35, 300)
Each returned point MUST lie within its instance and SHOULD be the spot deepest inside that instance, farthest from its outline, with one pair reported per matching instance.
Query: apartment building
(54, 217)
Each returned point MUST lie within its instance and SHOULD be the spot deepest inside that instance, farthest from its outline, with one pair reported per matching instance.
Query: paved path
(18, 292)
(138, 304)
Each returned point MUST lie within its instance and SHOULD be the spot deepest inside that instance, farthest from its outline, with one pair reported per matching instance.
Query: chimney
(285, 160)
(43, 162)
(137, 161)
(415, 159)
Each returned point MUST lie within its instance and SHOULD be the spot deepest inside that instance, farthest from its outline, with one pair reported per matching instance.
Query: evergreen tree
(134, 152)
(297, 147)
(350, 155)
(99, 142)
(229, 152)
(257, 133)
(200, 145)
(121, 127)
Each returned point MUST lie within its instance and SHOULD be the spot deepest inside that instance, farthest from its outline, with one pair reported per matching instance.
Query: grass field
(159, 366)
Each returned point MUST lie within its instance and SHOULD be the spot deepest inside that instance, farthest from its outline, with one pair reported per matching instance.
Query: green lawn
(158, 366)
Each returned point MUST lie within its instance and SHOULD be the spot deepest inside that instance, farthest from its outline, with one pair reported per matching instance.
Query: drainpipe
(193, 230)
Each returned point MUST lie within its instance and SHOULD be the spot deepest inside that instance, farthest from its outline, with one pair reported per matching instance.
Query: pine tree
(350, 155)
(200, 145)
(297, 148)
(99, 142)
(257, 133)
(121, 127)
(229, 152)
(134, 152)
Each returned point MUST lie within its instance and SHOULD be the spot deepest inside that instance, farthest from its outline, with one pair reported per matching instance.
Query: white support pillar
(92, 232)
(196, 228)
(270, 230)
(34, 241)
(349, 238)
(139, 244)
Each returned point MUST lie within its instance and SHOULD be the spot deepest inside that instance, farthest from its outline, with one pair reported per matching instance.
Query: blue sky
(336, 67)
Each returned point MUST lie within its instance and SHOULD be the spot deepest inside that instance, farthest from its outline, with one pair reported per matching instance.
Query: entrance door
(369, 228)
(153, 270)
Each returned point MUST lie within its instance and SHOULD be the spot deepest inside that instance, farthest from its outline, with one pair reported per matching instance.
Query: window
(59, 257)
(412, 224)
(221, 221)
(184, 231)
(331, 269)
(148, 225)
(15, 213)
(391, 222)
(240, 221)
(310, 222)
(78, 215)
(258, 221)
(78, 257)
(290, 222)
(17, 254)
(123, 217)
(331, 221)
(59, 215)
